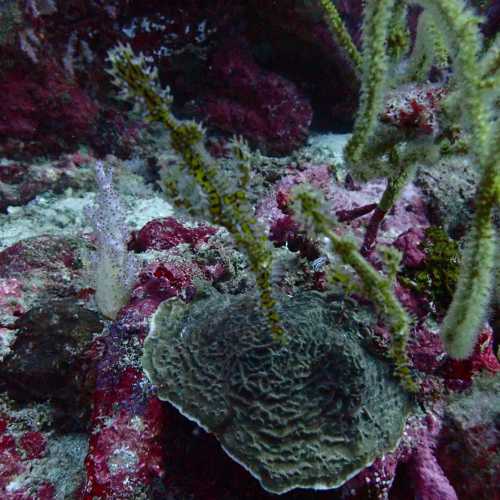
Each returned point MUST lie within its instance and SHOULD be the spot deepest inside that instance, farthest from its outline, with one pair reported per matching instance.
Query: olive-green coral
(467, 311)
(309, 414)
(340, 33)
(429, 49)
(375, 66)
(449, 31)
(398, 39)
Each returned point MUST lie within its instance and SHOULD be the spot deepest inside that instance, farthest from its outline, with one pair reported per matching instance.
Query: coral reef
(295, 245)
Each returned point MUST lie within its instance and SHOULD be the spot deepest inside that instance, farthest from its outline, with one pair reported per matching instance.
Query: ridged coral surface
(308, 413)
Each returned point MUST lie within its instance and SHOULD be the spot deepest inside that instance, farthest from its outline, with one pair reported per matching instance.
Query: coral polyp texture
(310, 414)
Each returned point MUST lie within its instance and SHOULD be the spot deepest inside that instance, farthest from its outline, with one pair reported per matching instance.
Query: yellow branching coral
(398, 39)
(468, 309)
(308, 209)
(470, 301)
(429, 49)
(226, 204)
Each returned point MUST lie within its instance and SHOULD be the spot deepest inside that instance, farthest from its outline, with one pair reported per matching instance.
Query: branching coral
(447, 27)
(307, 208)
(198, 182)
(374, 72)
(429, 49)
(470, 301)
(451, 33)
(467, 311)
(340, 32)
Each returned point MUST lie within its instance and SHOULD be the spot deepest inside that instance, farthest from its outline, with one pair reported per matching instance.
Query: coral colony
(249, 249)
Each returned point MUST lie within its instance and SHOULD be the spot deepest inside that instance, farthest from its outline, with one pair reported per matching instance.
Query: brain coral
(310, 413)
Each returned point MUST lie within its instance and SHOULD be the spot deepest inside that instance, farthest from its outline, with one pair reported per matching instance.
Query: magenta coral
(46, 107)
(265, 108)
(166, 233)
(125, 455)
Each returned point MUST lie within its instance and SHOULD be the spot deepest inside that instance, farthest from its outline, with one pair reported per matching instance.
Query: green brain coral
(310, 413)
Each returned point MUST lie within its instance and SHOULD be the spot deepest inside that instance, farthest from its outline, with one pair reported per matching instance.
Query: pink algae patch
(33, 444)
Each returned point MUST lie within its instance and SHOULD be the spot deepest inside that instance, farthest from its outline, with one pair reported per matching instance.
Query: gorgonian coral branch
(470, 301)
(375, 65)
(226, 204)
(468, 309)
(340, 33)
(309, 210)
